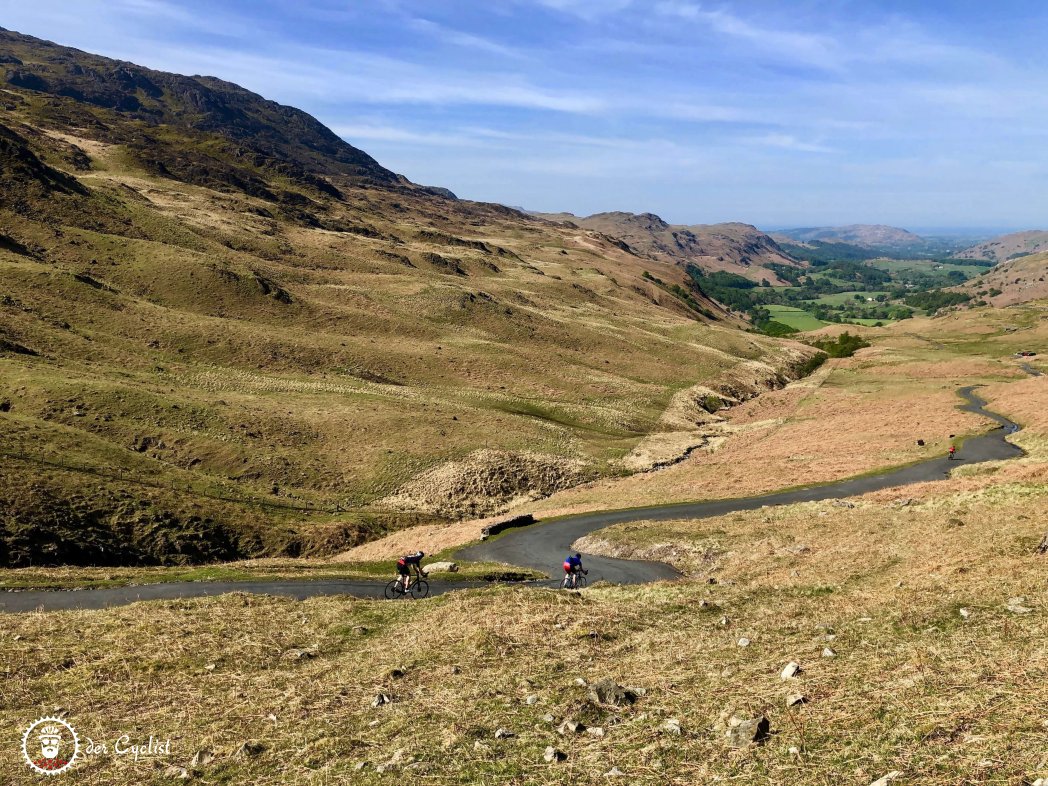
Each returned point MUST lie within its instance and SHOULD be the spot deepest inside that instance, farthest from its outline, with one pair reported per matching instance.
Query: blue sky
(930, 114)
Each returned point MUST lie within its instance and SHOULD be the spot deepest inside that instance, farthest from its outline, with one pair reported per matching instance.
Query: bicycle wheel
(394, 589)
(420, 589)
(580, 582)
(566, 583)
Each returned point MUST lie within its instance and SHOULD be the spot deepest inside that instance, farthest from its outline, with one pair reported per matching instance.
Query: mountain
(225, 332)
(1009, 246)
(733, 247)
(865, 235)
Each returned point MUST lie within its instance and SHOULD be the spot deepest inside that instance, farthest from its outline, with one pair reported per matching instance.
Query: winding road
(544, 545)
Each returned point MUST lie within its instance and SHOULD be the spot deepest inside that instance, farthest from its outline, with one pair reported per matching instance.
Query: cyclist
(952, 452)
(406, 563)
(572, 569)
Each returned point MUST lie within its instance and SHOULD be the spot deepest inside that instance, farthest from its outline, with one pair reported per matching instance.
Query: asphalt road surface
(544, 545)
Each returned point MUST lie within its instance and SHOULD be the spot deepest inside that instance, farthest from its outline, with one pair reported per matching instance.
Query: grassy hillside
(208, 352)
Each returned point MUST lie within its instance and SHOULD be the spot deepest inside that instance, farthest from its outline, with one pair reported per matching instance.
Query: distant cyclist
(952, 452)
(406, 563)
(572, 569)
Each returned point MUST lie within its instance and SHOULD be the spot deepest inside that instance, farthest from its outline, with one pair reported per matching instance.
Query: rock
(887, 779)
(724, 621)
(480, 746)
(580, 682)
(965, 613)
(743, 642)
(554, 755)
(571, 727)
(843, 503)
(607, 691)
(456, 670)
(532, 699)
(503, 734)
(1043, 549)
(791, 670)
(441, 567)
(902, 503)
(380, 699)
(794, 751)
(595, 731)
(210, 667)
(1017, 606)
(181, 773)
(201, 758)
(360, 630)
(360, 765)
(396, 674)
(829, 652)
(548, 718)
(672, 726)
(745, 731)
(299, 654)
(796, 699)
(251, 748)
(615, 772)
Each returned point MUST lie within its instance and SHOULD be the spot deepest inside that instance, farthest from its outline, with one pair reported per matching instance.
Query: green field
(841, 298)
(796, 318)
(924, 266)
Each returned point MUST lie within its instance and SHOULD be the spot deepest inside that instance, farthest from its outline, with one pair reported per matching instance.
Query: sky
(805, 113)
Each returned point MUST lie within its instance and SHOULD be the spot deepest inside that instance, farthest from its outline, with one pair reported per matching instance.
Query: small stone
(360, 630)
(744, 731)
(360, 765)
(298, 654)
(829, 652)
(201, 758)
(532, 699)
(703, 603)
(794, 751)
(743, 642)
(724, 621)
(251, 748)
(554, 755)
(615, 772)
(480, 746)
(548, 718)
(503, 734)
(965, 613)
(672, 726)
(595, 731)
(456, 670)
(396, 674)
(796, 699)
(1017, 606)
(791, 670)
(580, 682)
(181, 773)
(209, 667)
(887, 779)
(380, 699)
(571, 727)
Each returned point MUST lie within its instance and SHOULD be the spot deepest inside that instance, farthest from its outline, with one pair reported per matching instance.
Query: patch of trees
(936, 299)
(844, 346)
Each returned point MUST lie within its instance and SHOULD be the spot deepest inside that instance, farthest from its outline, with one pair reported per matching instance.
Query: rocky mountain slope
(226, 332)
(1018, 280)
(733, 247)
(1010, 246)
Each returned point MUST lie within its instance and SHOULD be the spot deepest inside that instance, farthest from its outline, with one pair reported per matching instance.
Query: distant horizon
(926, 115)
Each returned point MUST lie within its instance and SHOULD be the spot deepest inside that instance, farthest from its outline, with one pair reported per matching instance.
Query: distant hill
(1011, 246)
(865, 235)
(733, 247)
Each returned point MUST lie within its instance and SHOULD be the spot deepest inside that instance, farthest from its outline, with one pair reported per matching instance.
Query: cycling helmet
(421, 553)
(578, 556)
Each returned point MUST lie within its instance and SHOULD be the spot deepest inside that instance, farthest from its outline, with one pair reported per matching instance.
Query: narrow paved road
(544, 545)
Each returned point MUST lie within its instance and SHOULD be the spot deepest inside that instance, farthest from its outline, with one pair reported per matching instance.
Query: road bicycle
(574, 580)
(418, 588)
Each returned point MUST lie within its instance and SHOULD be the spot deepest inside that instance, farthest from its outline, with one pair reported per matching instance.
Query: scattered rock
(829, 652)
(672, 726)
(251, 748)
(571, 727)
(209, 667)
(887, 779)
(531, 700)
(794, 751)
(380, 699)
(441, 567)
(607, 691)
(1017, 606)
(360, 765)
(181, 773)
(965, 613)
(843, 503)
(456, 670)
(360, 630)
(548, 718)
(902, 503)
(396, 674)
(554, 755)
(791, 670)
(595, 731)
(796, 699)
(743, 642)
(1043, 547)
(580, 682)
(201, 758)
(503, 734)
(299, 655)
(724, 621)
(615, 772)
(744, 731)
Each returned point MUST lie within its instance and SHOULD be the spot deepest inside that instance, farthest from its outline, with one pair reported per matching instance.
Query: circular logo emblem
(50, 746)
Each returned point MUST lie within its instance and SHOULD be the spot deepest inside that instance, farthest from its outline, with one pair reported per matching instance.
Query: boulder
(607, 691)
(440, 567)
(553, 755)
(571, 727)
(743, 732)
(791, 670)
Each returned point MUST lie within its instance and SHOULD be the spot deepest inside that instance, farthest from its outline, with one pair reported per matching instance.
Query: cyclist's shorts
(403, 570)
(567, 567)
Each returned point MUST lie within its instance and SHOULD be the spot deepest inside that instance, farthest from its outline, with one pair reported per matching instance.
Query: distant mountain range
(864, 235)
(733, 247)
(1010, 246)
